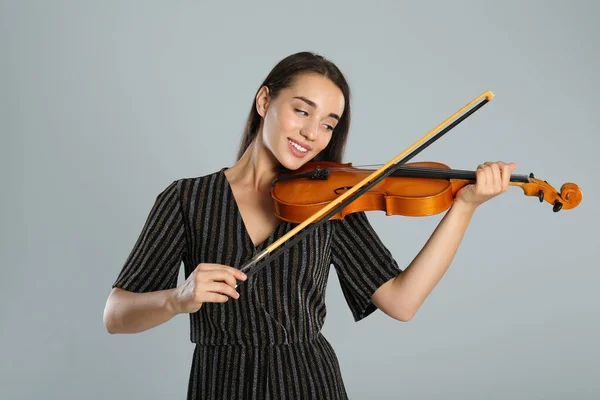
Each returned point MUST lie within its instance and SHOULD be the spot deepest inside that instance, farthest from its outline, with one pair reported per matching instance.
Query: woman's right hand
(208, 283)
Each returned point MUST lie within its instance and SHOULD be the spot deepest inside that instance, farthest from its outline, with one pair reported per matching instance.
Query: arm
(402, 296)
(129, 312)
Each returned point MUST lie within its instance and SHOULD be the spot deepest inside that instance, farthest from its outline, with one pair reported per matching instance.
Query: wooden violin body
(415, 189)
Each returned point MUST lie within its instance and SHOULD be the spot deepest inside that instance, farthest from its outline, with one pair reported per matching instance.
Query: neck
(256, 169)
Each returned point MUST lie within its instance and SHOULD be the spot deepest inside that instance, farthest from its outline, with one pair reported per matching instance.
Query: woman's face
(298, 123)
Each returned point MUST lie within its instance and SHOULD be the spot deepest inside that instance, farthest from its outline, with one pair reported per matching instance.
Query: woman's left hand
(491, 179)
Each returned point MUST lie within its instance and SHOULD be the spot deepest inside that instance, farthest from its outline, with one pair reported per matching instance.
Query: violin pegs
(541, 195)
(557, 206)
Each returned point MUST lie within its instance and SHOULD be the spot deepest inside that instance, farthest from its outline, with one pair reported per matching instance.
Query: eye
(329, 127)
(302, 112)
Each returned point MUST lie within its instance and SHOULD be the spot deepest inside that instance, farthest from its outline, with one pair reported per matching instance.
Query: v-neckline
(244, 228)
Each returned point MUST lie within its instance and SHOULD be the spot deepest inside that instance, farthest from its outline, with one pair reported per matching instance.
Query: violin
(333, 190)
(415, 189)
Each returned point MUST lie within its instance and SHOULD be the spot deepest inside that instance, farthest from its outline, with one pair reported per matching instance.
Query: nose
(310, 131)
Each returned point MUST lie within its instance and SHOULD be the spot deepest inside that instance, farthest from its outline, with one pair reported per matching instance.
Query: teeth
(296, 145)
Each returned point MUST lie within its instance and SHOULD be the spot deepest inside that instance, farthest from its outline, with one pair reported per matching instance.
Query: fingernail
(244, 276)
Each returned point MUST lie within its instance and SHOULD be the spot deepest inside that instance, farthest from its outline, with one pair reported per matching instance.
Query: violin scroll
(569, 197)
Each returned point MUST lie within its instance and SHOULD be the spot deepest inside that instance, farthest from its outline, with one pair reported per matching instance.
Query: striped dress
(268, 343)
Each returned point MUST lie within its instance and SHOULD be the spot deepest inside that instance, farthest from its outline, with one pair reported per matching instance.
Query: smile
(297, 146)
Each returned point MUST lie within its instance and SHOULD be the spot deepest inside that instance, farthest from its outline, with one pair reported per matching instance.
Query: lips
(296, 151)
(301, 144)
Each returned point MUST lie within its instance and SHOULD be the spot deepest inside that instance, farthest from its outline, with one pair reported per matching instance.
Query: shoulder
(189, 183)
(193, 191)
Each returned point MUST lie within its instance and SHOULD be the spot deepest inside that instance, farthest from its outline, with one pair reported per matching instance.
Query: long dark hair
(281, 77)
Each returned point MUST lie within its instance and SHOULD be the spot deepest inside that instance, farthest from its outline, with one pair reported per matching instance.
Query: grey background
(103, 104)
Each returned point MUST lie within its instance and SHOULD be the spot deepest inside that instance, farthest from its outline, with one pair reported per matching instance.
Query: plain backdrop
(104, 103)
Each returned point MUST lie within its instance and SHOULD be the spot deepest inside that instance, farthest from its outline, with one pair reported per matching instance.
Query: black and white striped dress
(268, 343)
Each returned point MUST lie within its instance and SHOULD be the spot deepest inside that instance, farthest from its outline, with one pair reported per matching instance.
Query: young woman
(263, 339)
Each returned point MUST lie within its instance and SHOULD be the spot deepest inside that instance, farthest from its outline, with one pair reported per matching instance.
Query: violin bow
(259, 261)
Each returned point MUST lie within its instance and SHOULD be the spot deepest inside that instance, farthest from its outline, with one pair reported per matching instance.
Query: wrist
(170, 303)
(464, 207)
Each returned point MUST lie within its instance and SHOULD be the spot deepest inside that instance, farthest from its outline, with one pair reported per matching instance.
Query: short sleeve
(362, 262)
(154, 261)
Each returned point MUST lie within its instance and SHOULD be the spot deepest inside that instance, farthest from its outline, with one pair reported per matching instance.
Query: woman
(262, 339)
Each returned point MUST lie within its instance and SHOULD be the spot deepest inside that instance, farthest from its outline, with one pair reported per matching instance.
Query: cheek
(324, 140)
(278, 122)
(288, 121)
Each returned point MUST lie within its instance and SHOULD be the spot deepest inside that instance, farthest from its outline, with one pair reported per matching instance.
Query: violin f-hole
(341, 189)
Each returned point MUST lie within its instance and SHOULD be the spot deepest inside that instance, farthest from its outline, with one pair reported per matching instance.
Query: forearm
(128, 312)
(420, 277)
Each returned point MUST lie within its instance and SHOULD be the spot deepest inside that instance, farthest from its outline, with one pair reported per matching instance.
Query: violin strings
(438, 173)
(424, 172)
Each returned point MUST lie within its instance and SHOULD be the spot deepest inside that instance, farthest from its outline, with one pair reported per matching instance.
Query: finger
(501, 165)
(505, 172)
(489, 178)
(210, 266)
(481, 178)
(205, 267)
(496, 178)
(212, 275)
(221, 276)
(213, 297)
(505, 177)
(222, 288)
(236, 272)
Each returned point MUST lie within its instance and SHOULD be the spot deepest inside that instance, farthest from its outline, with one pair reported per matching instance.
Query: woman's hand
(491, 179)
(208, 283)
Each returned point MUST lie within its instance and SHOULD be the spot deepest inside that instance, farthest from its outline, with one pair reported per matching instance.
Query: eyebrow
(313, 104)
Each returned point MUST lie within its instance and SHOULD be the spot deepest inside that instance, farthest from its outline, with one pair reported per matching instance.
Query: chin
(294, 163)
(292, 166)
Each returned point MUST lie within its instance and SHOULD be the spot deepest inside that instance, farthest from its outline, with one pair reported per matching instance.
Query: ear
(262, 101)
